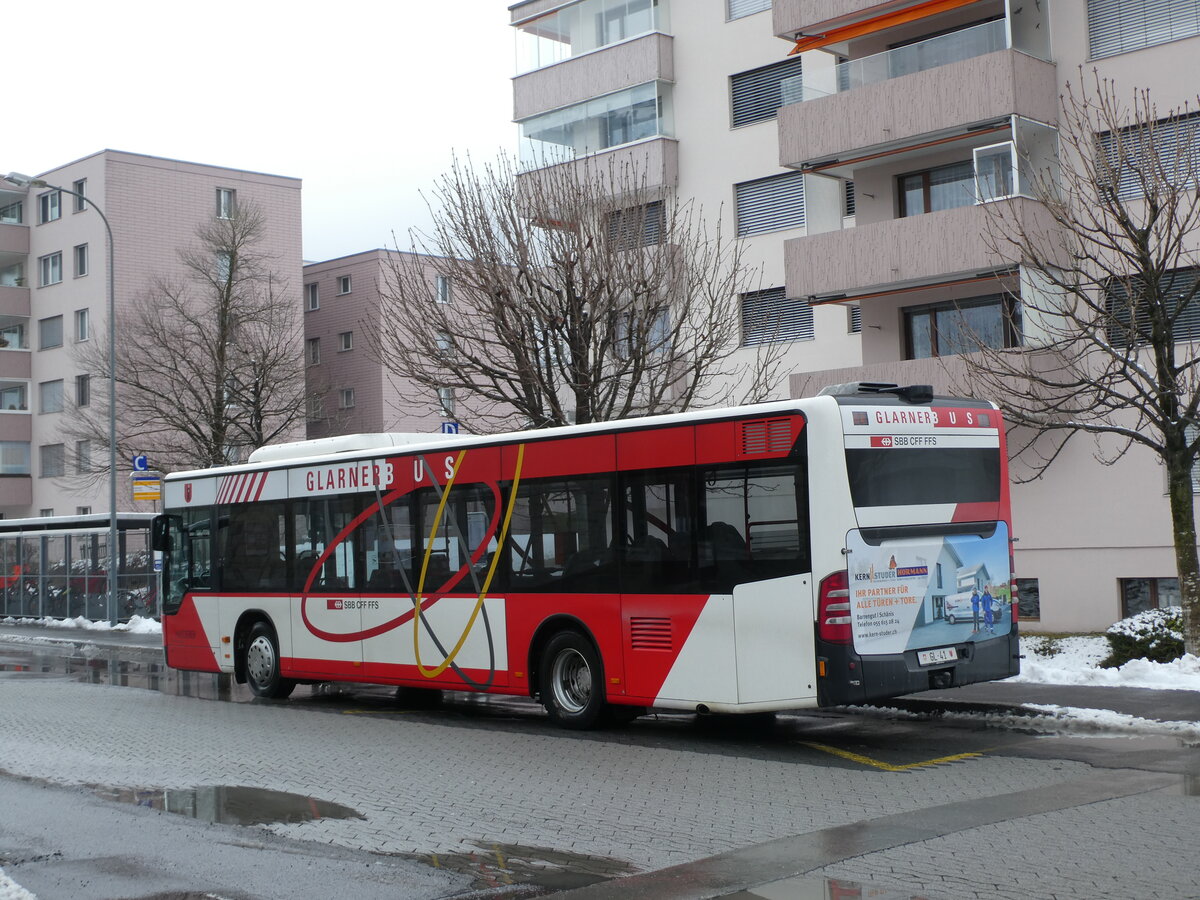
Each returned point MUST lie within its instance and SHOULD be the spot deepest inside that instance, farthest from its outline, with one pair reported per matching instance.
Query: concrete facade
(893, 100)
(154, 207)
(379, 402)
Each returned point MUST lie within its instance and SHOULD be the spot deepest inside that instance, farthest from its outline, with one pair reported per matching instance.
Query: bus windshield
(923, 475)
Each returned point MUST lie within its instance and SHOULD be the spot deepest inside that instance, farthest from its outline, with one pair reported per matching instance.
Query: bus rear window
(923, 475)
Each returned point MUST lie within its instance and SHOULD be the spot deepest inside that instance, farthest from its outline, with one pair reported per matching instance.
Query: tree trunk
(1183, 527)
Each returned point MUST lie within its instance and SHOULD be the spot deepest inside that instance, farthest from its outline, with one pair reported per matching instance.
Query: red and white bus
(779, 556)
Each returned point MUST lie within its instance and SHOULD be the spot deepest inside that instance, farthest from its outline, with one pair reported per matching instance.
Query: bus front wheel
(572, 681)
(261, 656)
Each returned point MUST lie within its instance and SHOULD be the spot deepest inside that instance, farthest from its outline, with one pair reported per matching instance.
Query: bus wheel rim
(260, 660)
(572, 682)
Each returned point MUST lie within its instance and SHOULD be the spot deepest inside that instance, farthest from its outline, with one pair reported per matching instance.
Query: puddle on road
(233, 805)
(545, 870)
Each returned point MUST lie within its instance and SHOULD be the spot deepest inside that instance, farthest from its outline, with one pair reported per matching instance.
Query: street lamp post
(27, 181)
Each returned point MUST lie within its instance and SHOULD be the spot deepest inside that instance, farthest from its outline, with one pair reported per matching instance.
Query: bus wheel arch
(256, 658)
(567, 671)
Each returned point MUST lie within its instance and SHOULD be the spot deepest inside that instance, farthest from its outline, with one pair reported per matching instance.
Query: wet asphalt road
(1041, 777)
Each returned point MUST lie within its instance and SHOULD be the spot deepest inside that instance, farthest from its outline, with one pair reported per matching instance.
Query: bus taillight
(833, 609)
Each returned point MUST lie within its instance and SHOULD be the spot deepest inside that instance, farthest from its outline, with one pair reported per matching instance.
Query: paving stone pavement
(427, 788)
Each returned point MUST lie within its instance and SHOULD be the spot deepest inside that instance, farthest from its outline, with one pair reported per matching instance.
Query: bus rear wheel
(261, 659)
(572, 681)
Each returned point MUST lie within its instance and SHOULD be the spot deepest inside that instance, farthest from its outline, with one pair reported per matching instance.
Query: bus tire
(572, 681)
(261, 658)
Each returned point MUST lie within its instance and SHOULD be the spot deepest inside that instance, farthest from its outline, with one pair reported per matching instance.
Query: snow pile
(10, 890)
(1076, 660)
(135, 625)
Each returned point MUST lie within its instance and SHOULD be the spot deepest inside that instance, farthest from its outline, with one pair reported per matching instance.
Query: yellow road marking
(886, 767)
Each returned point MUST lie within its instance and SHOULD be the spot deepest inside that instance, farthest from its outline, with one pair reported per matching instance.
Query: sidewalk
(1003, 696)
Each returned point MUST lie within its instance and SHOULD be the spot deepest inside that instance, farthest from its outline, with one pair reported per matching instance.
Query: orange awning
(877, 23)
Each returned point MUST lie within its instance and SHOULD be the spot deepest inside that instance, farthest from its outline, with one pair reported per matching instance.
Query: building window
(346, 398)
(1141, 594)
(12, 397)
(943, 187)
(46, 512)
(83, 510)
(345, 341)
(224, 263)
(313, 296)
(446, 401)
(854, 319)
(52, 459)
(51, 269)
(945, 329)
(83, 457)
(1180, 293)
(1029, 598)
(1119, 26)
(756, 96)
(578, 28)
(1123, 166)
(771, 315)
(50, 396)
(83, 390)
(80, 189)
(443, 288)
(343, 284)
(50, 333)
(316, 409)
(314, 351)
(12, 214)
(624, 116)
(226, 203)
(49, 207)
(81, 260)
(83, 324)
(736, 9)
(769, 204)
(638, 226)
(14, 458)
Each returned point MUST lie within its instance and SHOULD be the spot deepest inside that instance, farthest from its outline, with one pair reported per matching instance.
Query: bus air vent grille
(767, 436)
(650, 633)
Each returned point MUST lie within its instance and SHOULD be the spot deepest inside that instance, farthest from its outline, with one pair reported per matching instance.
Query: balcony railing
(942, 50)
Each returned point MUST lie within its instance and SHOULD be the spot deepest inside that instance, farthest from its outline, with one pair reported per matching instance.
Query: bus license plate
(940, 655)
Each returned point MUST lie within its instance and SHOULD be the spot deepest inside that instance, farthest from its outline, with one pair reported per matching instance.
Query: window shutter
(770, 204)
(1118, 26)
(771, 316)
(739, 8)
(757, 94)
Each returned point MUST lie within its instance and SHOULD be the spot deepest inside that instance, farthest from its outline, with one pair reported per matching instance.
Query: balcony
(922, 249)
(878, 103)
(14, 239)
(645, 166)
(790, 17)
(14, 302)
(16, 490)
(644, 59)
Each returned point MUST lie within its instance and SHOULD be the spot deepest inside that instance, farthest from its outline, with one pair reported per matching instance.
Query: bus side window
(253, 547)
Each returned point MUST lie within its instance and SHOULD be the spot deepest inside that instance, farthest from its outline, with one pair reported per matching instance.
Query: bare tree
(1112, 322)
(208, 366)
(579, 295)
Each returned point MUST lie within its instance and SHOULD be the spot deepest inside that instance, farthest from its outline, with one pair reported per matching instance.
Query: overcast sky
(365, 100)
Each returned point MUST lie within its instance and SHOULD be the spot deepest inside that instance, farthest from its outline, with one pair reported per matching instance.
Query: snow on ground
(10, 890)
(1075, 660)
(135, 625)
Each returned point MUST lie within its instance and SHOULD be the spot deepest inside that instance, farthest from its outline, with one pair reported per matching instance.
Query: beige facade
(350, 391)
(919, 113)
(53, 297)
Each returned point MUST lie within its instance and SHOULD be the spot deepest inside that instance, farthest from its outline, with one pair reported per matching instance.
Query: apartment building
(53, 299)
(854, 144)
(349, 391)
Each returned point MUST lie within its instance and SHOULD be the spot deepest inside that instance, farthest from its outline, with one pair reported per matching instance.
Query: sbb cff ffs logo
(885, 441)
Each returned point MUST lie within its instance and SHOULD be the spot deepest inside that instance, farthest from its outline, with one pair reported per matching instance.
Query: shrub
(1156, 635)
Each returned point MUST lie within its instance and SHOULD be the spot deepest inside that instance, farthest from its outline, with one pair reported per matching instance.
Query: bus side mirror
(160, 533)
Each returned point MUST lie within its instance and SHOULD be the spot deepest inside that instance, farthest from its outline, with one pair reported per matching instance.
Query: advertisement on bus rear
(927, 592)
